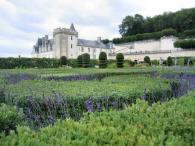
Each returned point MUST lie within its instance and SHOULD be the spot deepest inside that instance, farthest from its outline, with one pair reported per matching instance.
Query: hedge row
(11, 63)
(188, 34)
(185, 44)
(170, 123)
(145, 36)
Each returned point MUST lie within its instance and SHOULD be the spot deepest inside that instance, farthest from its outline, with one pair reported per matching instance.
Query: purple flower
(144, 95)
(115, 105)
(89, 105)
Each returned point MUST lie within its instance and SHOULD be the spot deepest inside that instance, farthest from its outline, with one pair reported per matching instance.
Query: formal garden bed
(52, 101)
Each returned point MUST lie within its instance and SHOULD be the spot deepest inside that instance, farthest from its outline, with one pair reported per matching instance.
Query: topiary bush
(147, 60)
(86, 60)
(79, 61)
(169, 61)
(63, 60)
(102, 60)
(10, 117)
(120, 60)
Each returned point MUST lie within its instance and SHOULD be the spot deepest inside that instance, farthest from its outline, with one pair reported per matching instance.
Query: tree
(147, 60)
(79, 61)
(120, 60)
(102, 60)
(85, 60)
(63, 60)
(169, 61)
(106, 41)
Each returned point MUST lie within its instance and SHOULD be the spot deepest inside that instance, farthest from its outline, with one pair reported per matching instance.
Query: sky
(23, 21)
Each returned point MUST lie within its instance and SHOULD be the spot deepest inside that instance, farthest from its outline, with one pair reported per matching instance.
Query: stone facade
(65, 42)
(155, 49)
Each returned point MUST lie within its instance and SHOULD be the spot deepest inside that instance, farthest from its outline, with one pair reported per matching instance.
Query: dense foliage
(10, 63)
(188, 34)
(169, 61)
(144, 36)
(79, 61)
(170, 123)
(180, 21)
(85, 60)
(185, 44)
(10, 118)
(106, 41)
(63, 60)
(147, 59)
(102, 60)
(120, 60)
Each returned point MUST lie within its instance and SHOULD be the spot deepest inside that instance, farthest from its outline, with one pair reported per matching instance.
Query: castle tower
(65, 42)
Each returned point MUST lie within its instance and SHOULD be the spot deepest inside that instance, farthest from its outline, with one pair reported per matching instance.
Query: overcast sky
(23, 21)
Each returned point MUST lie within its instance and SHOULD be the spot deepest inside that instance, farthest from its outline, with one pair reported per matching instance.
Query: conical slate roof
(72, 27)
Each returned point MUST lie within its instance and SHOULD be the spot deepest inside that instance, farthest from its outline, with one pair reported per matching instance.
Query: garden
(97, 106)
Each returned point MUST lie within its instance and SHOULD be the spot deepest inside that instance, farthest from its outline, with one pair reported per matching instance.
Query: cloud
(23, 21)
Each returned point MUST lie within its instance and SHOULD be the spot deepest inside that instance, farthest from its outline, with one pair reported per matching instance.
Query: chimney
(99, 39)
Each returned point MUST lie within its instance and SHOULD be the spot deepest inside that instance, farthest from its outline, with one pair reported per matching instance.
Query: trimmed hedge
(145, 36)
(63, 60)
(102, 60)
(147, 59)
(169, 61)
(120, 60)
(85, 60)
(170, 123)
(185, 44)
(11, 63)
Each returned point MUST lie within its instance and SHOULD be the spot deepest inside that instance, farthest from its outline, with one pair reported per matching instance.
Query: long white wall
(155, 49)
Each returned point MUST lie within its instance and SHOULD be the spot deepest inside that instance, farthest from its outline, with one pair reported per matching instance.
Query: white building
(65, 42)
(155, 49)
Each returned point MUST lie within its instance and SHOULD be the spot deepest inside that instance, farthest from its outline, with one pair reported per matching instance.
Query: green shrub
(93, 62)
(180, 62)
(145, 36)
(11, 63)
(63, 60)
(9, 118)
(185, 44)
(155, 62)
(169, 32)
(147, 59)
(79, 61)
(169, 61)
(112, 65)
(102, 60)
(170, 123)
(120, 60)
(72, 63)
(189, 33)
(85, 60)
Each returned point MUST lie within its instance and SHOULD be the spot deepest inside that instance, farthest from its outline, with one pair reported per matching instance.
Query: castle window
(71, 45)
(71, 37)
(88, 49)
(82, 49)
